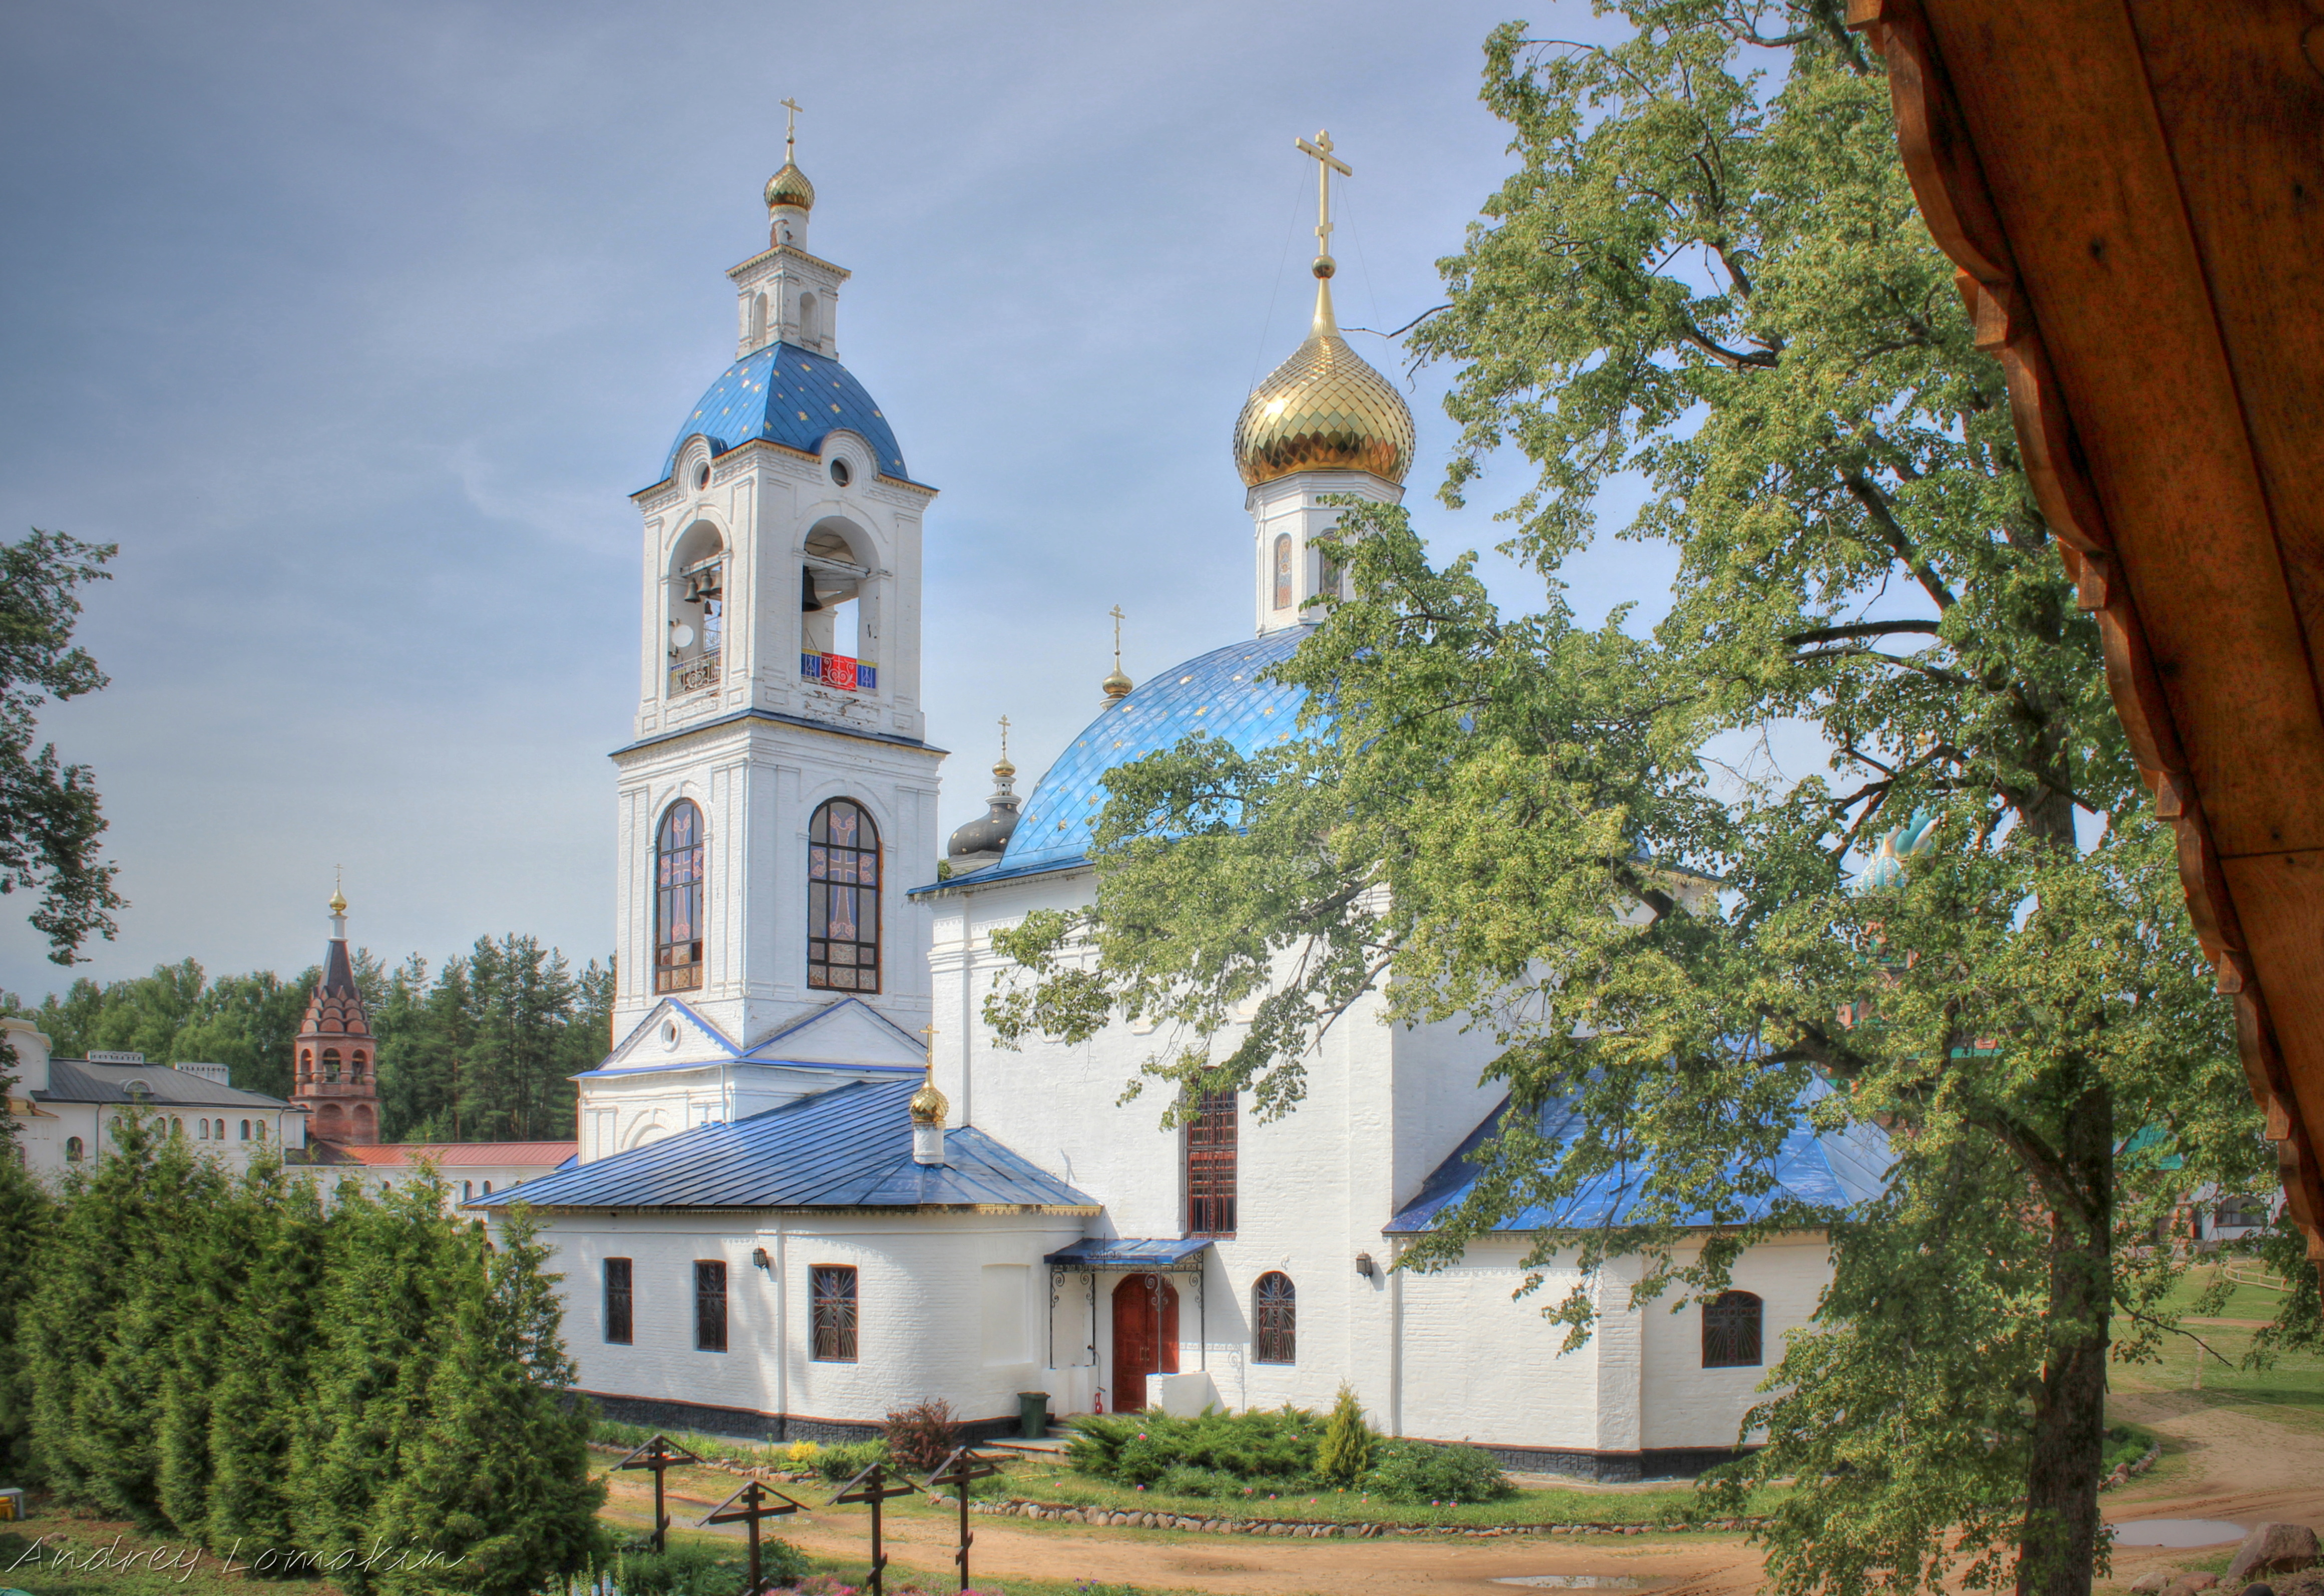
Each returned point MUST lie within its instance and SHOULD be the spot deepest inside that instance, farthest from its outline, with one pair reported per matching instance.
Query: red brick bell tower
(334, 1062)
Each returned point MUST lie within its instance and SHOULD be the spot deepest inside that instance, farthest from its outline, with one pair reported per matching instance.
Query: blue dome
(786, 395)
(1219, 693)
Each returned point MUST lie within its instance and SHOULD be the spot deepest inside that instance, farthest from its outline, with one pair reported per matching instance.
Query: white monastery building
(64, 1109)
(810, 1188)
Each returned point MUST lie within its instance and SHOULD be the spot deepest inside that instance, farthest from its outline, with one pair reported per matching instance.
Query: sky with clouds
(354, 326)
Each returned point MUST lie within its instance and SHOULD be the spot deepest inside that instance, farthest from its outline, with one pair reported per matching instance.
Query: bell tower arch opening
(696, 605)
(836, 594)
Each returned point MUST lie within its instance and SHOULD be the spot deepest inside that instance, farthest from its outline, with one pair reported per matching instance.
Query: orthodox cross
(790, 128)
(956, 1472)
(1327, 163)
(1004, 719)
(1118, 619)
(757, 1501)
(929, 1031)
(658, 1454)
(874, 1485)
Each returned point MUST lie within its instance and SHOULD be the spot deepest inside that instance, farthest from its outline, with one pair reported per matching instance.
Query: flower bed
(1191, 1523)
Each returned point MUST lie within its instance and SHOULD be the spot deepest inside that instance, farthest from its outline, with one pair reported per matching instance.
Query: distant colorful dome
(786, 395)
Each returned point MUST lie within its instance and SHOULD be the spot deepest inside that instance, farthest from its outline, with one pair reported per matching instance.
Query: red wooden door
(1145, 1337)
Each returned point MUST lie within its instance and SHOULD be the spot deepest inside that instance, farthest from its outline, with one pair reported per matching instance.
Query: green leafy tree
(498, 1484)
(50, 816)
(1706, 270)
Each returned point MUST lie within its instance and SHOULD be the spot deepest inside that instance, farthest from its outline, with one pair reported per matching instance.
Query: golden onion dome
(1324, 409)
(928, 1105)
(1116, 685)
(338, 901)
(790, 187)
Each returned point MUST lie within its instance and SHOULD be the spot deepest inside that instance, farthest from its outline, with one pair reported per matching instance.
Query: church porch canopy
(1135, 1254)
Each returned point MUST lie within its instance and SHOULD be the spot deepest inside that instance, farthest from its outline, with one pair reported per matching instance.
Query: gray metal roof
(848, 1148)
(76, 1080)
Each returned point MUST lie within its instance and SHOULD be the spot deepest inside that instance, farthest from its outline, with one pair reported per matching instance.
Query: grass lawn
(2290, 1391)
(1677, 1503)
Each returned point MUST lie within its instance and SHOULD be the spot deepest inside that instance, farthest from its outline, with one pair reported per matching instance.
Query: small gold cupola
(930, 1111)
(1324, 409)
(790, 196)
(1117, 685)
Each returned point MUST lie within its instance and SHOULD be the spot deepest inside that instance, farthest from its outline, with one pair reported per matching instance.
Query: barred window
(835, 1314)
(709, 1306)
(843, 899)
(678, 899)
(1275, 1311)
(617, 1300)
(1211, 1167)
(1730, 1331)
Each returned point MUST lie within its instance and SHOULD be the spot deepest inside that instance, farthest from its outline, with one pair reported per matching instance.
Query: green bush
(687, 1570)
(2124, 1443)
(1272, 1445)
(842, 1463)
(1201, 1484)
(1421, 1471)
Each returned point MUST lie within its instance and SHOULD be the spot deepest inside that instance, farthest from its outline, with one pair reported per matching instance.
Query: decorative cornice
(1949, 183)
(792, 251)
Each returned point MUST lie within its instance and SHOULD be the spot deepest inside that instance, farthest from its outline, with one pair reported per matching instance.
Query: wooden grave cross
(659, 1454)
(874, 1486)
(957, 1470)
(755, 1506)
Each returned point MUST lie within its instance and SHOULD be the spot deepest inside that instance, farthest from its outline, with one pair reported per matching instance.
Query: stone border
(2123, 1471)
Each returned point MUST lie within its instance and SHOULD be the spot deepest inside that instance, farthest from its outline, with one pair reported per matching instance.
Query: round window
(841, 473)
(670, 1033)
(702, 475)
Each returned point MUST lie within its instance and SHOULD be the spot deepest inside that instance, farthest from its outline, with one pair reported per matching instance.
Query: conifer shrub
(1138, 1448)
(1424, 1471)
(922, 1434)
(1345, 1451)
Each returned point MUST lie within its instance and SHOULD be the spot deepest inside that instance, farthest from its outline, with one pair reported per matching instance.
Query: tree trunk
(2059, 1549)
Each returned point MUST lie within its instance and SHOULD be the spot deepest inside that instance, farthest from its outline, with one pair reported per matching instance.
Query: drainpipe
(1394, 1339)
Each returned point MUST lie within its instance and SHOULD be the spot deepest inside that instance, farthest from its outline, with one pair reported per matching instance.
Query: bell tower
(779, 797)
(335, 1058)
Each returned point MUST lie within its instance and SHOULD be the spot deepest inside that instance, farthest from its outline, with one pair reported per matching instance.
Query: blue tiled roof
(1219, 693)
(849, 1148)
(1833, 1169)
(786, 395)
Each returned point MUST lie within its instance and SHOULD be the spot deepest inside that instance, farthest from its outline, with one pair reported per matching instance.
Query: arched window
(1730, 1331)
(843, 899)
(246, 1130)
(305, 1063)
(488, 1188)
(74, 1150)
(176, 1127)
(262, 1130)
(810, 323)
(356, 1072)
(331, 1064)
(678, 900)
(202, 1130)
(759, 319)
(1283, 571)
(467, 1190)
(1211, 1166)
(1275, 1316)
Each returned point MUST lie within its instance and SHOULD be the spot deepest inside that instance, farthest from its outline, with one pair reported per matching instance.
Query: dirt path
(2236, 1467)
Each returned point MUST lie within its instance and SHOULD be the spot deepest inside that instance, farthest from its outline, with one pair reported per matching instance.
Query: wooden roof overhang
(2133, 193)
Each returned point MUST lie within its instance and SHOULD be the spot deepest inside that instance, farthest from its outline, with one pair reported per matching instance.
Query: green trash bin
(1033, 1411)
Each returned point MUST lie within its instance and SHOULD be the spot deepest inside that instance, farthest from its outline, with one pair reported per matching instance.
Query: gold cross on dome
(929, 1031)
(790, 128)
(1327, 163)
(1004, 737)
(1118, 619)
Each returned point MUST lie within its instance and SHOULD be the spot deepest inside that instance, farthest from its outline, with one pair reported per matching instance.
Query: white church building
(810, 1187)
